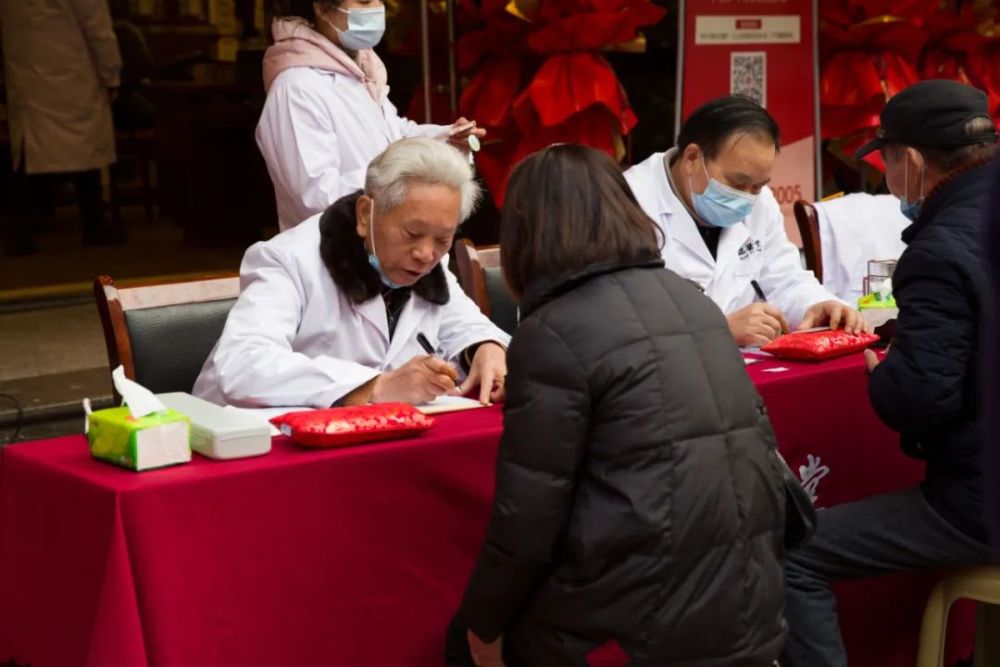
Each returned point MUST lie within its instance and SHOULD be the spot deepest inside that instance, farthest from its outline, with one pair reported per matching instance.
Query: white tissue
(883, 290)
(140, 401)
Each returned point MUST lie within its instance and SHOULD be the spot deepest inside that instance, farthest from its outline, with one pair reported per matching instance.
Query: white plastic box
(219, 433)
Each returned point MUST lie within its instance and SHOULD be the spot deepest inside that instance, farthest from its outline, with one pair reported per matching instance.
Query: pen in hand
(762, 298)
(429, 349)
(424, 343)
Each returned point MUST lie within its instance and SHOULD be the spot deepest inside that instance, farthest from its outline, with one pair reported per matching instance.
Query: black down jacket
(638, 497)
(928, 388)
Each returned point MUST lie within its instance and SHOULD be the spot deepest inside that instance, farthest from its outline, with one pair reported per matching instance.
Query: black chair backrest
(162, 332)
(171, 343)
(503, 310)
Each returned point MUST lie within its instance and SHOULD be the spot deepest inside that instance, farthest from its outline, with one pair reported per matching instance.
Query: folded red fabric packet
(817, 345)
(336, 427)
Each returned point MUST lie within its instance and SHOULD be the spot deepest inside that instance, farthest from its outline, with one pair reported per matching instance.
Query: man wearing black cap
(936, 138)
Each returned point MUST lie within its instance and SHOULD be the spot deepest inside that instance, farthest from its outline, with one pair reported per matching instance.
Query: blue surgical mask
(373, 255)
(365, 28)
(721, 205)
(911, 209)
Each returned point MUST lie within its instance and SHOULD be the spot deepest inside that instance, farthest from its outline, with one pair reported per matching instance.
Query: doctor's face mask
(740, 171)
(721, 205)
(373, 259)
(413, 236)
(365, 24)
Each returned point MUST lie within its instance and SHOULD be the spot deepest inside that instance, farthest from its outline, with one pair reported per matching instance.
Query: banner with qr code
(766, 50)
(748, 75)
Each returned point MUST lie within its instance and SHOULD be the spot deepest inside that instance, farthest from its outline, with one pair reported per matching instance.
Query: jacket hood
(297, 44)
(540, 292)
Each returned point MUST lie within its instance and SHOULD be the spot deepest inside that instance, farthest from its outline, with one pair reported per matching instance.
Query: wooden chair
(162, 332)
(808, 224)
(481, 278)
(981, 584)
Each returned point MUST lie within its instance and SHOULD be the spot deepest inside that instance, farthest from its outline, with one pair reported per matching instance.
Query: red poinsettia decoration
(872, 49)
(538, 77)
(865, 63)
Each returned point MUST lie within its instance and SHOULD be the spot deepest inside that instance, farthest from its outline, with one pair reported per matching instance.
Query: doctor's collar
(669, 159)
(346, 259)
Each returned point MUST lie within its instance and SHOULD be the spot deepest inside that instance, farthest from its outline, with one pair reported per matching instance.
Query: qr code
(748, 76)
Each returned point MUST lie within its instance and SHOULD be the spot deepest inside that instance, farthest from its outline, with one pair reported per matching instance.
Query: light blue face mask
(365, 28)
(373, 256)
(911, 209)
(721, 205)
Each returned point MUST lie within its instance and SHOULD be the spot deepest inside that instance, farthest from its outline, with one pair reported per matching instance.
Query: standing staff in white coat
(328, 112)
(62, 69)
(330, 312)
(723, 228)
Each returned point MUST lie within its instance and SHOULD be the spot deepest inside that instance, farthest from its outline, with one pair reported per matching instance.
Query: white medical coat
(756, 248)
(852, 230)
(294, 338)
(318, 132)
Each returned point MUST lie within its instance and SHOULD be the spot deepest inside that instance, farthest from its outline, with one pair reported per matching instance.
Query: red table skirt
(829, 434)
(356, 557)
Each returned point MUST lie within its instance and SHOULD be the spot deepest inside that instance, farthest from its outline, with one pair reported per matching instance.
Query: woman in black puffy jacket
(638, 498)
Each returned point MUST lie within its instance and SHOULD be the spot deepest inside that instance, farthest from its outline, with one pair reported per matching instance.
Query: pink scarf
(296, 44)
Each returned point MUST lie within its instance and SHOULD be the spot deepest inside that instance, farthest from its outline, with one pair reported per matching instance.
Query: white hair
(420, 160)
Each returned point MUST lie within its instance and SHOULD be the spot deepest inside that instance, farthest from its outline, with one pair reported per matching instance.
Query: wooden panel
(132, 298)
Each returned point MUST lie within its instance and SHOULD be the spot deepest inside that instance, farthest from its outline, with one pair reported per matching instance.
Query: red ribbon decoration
(544, 81)
(872, 49)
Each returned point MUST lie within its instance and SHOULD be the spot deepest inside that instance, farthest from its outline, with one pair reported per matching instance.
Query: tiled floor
(50, 340)
(52, 358)
(52, 404)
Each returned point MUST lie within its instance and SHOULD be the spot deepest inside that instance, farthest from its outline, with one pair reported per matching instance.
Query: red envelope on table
(336, 427)
(818, 345)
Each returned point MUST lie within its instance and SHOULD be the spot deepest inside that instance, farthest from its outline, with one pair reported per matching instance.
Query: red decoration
(540, 79)
(872, 49)
(818, 345)
(336, 427)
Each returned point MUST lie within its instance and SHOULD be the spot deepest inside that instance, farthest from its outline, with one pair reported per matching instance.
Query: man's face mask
(911, 209)
(721, 205)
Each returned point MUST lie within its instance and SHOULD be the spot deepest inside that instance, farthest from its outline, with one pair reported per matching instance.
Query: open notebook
(449, 404)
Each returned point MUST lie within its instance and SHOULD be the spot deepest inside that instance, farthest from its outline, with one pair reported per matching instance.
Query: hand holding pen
(420, 380)
(759, 323)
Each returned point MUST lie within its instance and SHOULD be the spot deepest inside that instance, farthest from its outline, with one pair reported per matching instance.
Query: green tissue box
(156, 440)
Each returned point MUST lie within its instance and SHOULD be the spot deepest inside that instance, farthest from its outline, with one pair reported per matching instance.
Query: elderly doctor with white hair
(331, 311)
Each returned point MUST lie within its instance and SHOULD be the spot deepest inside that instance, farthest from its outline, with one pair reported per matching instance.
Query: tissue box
(876, 301)
(156, 440)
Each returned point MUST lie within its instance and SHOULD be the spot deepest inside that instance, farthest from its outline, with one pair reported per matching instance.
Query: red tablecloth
(828, 433)
(347, 558)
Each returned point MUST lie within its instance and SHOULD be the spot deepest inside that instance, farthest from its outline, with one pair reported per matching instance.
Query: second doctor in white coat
(724, 229)
(329, 312)
(327, 112)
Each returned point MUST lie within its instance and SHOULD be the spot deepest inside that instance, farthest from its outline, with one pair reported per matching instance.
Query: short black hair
(712, 124)
(300, 8)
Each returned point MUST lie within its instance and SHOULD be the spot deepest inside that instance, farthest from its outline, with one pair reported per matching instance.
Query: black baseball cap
(931, 114)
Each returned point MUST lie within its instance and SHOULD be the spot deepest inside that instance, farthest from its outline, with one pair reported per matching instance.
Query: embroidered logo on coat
(749, 249)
